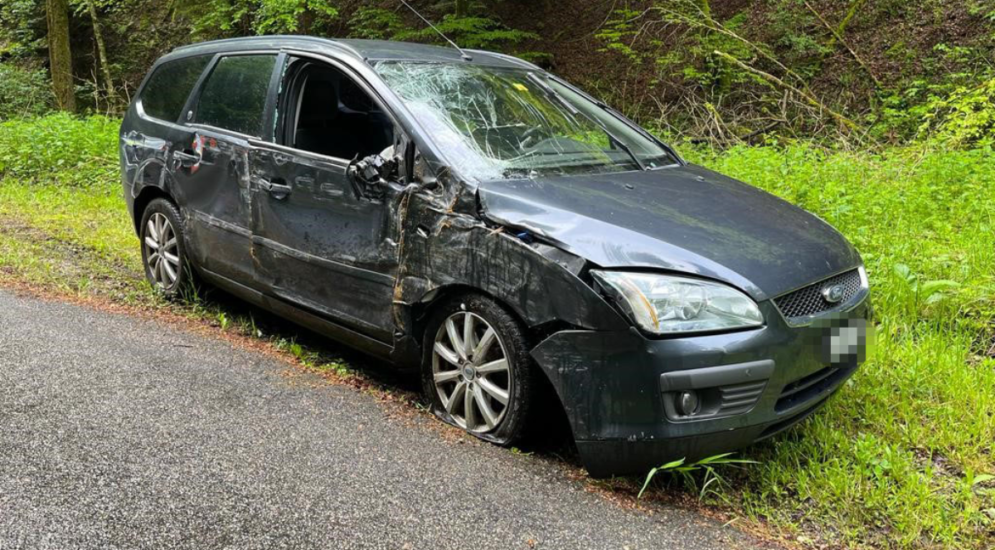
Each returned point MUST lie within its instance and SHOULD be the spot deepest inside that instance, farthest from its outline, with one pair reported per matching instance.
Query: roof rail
(294, 37)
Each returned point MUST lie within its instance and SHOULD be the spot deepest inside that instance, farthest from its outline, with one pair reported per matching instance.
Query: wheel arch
(421, 312)
(146, 196)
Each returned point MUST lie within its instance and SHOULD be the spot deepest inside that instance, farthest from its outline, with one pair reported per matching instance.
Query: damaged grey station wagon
(518, 241)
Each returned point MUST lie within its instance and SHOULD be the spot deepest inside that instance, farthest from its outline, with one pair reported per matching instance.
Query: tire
(162, 229)
(484, 381)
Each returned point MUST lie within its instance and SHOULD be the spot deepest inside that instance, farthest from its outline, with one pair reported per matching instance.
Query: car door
(319, 240)
(152, 134)
(212, 168)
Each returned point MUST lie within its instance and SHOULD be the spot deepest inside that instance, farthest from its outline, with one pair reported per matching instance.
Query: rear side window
(169, 86)
(234, 95)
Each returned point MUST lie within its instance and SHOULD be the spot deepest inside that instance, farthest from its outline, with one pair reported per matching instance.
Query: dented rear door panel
(215, 187)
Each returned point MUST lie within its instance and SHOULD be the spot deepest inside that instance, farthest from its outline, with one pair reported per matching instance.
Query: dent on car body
(446, 244)
(684, 219)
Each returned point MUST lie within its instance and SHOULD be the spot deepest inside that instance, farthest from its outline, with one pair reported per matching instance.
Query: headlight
(664, 304)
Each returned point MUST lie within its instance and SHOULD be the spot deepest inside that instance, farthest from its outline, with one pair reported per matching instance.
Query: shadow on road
(550, 436)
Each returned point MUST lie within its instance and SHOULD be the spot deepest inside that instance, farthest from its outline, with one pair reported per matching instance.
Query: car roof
(369, 51)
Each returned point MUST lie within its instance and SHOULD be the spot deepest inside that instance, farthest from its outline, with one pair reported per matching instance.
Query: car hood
(686, 219)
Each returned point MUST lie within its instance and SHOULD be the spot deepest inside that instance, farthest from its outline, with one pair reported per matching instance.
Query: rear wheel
(163, 253)
(477, 371)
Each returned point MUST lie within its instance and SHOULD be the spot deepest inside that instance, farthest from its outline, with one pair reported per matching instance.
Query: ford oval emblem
(833, 293)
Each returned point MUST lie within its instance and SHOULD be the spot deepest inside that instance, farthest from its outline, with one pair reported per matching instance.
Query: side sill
(303, 318)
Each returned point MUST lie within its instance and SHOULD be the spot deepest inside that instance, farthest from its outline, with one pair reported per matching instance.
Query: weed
(710, 481)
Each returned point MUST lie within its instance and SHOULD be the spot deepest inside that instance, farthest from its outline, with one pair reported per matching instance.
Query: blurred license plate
(846, 342)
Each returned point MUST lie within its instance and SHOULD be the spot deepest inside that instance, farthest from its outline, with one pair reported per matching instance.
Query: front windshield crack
(500, 123)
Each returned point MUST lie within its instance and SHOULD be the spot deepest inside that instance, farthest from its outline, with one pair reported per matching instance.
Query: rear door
(213, 168)
(319, 240)
(151, 130)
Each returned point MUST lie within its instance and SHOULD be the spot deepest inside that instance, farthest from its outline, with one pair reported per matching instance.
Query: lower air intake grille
(739, 398)
(810, 387)
(810, 301)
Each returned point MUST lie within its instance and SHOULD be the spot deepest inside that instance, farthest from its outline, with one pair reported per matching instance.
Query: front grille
(809, 300)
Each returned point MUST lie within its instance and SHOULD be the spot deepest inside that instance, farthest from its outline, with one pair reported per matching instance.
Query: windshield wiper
(621, 145)
(551, 92)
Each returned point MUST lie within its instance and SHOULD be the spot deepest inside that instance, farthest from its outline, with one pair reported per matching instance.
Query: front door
(318, 245)
(319, 241)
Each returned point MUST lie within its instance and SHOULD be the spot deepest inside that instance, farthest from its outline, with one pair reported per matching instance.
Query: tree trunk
(102, 53)
(462, 8)
(59, 54)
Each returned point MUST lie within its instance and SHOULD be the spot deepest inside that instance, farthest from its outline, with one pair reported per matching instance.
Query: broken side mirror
(369, 176)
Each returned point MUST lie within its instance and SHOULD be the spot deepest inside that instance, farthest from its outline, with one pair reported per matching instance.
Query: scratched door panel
(318, 243)
(216, 191)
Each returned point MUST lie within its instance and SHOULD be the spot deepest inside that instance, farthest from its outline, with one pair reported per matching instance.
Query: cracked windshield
(497, 123)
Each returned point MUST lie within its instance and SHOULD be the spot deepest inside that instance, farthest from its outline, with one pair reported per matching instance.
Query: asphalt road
(124, 433)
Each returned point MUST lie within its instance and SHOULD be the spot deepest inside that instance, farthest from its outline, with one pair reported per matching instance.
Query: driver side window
(330, 114)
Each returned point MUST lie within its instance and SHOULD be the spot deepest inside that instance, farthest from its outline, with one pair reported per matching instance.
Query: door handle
(275, 187)
(187, 159)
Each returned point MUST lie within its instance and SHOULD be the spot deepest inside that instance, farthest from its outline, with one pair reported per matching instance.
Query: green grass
(896, 460)
(891, 461)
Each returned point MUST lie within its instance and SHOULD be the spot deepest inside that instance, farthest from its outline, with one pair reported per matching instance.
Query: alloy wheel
(161, 251)
(471, 373)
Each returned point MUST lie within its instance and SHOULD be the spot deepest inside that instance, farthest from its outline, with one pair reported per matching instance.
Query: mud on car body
(514, 239)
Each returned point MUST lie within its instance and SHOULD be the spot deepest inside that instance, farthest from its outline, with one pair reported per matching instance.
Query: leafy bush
(376, 23)
(468, 32)
(60, 148)
(471, 32)
(243, 17)
(23, 92)
(965, 117)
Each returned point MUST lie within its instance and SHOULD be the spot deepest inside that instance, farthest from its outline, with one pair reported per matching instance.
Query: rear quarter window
(234, 96)
(169, 86)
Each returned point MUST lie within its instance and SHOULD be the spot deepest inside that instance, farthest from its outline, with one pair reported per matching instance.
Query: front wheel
(163, 252)
(477, 371)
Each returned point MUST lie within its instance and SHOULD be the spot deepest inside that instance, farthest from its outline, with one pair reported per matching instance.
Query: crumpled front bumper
(619, 389)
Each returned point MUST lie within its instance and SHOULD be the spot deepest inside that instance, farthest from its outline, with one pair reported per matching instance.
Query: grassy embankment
(898, 460)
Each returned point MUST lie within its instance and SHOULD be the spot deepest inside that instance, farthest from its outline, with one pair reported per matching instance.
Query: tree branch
(814, 101)
(839, 37)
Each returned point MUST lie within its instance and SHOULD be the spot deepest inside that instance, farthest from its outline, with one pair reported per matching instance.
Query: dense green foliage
(59, 149)
(899, 459)
(246, 17)
(870, 71)
(965, 117)
(24, 92)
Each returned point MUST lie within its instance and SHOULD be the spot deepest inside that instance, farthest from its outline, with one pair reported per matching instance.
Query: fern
(471, 32)
(377, 24)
